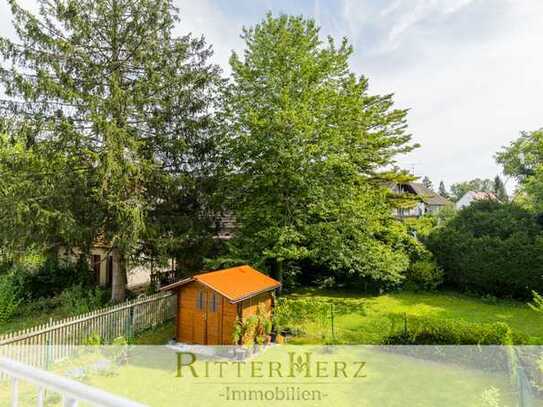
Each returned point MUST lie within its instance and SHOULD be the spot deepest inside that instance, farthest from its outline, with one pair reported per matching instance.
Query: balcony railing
(72, 392)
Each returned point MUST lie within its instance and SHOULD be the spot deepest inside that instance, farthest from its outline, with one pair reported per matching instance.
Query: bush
(441, 333)
(491, 248)
(50, 278)
(432, 331)
(9, 298)
(424, 275)
(79, 299)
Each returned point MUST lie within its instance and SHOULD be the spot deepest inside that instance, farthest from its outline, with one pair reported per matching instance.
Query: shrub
(9, 298)
(424, 275)
(441, 333)
(50, 278)
(491, 248)
(432, 331)
(79, 299)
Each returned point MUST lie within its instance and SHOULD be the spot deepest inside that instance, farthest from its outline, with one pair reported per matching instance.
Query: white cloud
(203, 17)
(470, 71)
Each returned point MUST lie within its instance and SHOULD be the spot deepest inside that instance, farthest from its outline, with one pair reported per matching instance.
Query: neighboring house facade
(105, 261)
(472, 196)
(429, 201)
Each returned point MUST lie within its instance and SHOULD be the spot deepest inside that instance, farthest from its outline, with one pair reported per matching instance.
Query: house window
(200, 300)
(214, 303)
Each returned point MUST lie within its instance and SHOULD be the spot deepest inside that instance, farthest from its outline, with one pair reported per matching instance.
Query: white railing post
(14, 392)
(41, 397)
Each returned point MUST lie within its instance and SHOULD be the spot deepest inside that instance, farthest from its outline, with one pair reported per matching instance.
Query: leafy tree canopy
(304, 152)
(523, 160)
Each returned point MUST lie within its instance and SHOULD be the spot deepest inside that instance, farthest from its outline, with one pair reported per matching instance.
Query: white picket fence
(43, 344)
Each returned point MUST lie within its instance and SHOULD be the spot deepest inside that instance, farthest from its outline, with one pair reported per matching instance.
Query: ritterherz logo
(297, 365)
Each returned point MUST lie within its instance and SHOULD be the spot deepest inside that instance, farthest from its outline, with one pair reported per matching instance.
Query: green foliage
(499, 189)
(79, 300)
(446, 214)
(491, 397)
(491, 248)
(290, 313)
(49, 278)
(434, 331)
(523, 160)
(93, 340)
(9, 298)
(424, 274)
(443, 190)
(303, 149)
(112, 130)
(537, 302)
(254, 329)
(421, 227)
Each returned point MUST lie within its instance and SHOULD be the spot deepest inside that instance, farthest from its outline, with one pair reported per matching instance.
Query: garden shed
(210, 304)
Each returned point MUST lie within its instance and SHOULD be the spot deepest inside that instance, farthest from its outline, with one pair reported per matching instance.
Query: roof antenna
(412, 167)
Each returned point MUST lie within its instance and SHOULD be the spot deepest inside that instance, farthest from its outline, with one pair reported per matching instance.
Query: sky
(469, 71)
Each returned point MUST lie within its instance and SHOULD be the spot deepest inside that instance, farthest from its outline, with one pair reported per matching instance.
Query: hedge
(439, 334)
(433, 331)
(491, 248)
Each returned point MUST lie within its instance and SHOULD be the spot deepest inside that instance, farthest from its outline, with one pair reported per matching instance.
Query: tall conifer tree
(118, 109)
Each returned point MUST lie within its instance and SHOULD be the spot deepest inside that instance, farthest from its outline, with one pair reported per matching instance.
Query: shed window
(214, 303)
(200, 300)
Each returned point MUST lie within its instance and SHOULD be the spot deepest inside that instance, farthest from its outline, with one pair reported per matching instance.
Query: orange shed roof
(238, 283)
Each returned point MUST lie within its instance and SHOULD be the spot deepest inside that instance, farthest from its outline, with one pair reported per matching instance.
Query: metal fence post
(332, 320)
(131, 322)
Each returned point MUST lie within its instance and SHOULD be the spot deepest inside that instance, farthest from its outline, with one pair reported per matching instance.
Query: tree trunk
(277, 271)
(118, 283)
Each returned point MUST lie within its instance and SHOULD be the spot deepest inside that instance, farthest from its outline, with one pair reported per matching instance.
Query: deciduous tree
(523, 160)
(304, 152)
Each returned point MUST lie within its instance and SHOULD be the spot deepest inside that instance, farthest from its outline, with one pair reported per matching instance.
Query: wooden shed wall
(204, 326)
(250, 306)
(212, 328)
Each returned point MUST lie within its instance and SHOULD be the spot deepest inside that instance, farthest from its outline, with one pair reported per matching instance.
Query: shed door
(213, 318)
(199, 317)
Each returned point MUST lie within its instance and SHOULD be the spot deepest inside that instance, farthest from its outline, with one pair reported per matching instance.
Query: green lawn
(148, 375)
(160, 335)
(368, 321)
